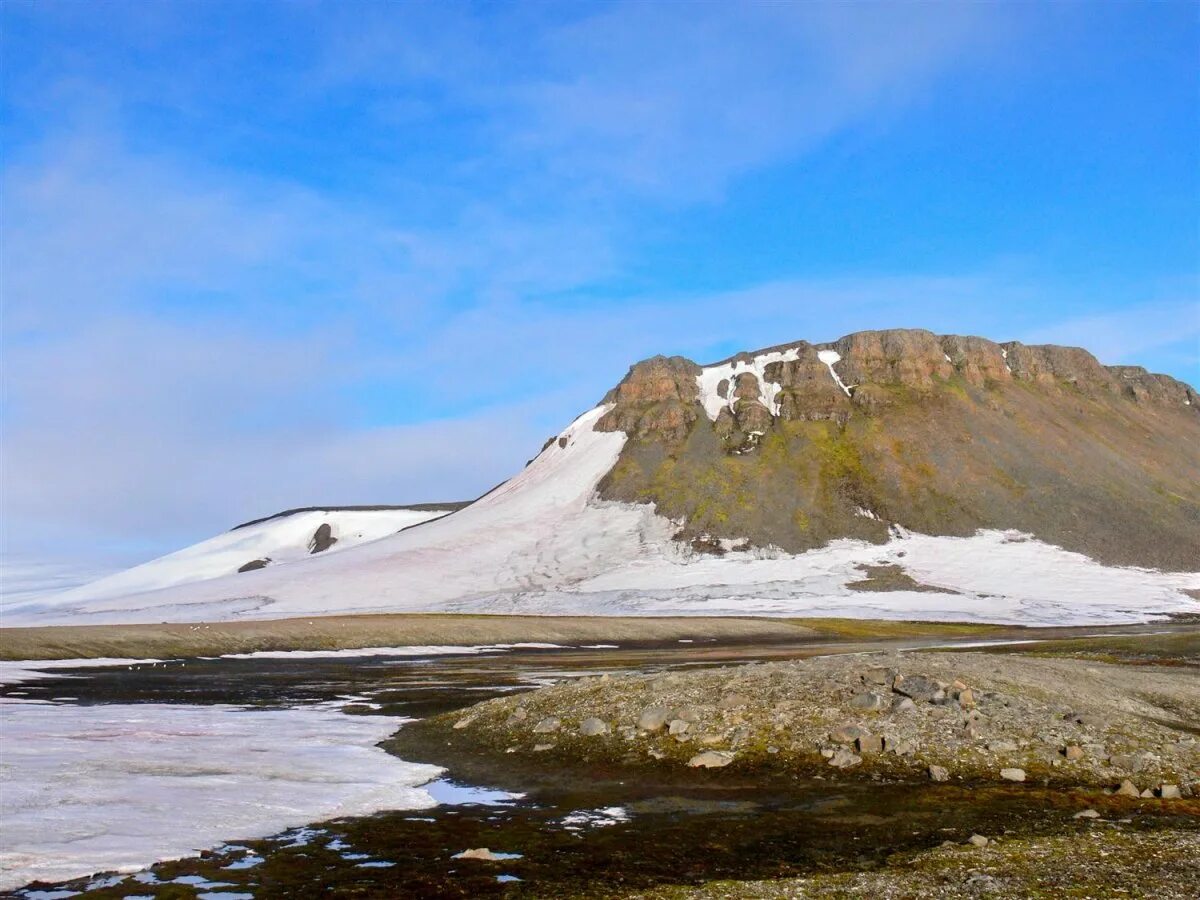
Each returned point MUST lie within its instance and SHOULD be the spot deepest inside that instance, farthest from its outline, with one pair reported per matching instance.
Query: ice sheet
(94, 788)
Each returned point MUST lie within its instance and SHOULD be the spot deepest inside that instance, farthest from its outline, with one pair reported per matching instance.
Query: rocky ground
(1164, 865)
(973, 717)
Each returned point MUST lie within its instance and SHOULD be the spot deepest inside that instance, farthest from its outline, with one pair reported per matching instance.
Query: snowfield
(542, 543)
(282, 539)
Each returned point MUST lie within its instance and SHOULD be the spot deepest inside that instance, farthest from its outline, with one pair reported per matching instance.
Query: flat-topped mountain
(889, 474)
(802, 443)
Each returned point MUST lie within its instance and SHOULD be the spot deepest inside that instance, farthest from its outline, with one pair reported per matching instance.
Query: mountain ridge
(939, 434)
(770, 484)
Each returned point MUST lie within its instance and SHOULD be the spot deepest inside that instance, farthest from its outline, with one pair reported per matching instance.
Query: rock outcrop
(799, 444)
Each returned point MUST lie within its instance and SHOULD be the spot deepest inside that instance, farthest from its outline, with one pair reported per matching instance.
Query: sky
(257, 255)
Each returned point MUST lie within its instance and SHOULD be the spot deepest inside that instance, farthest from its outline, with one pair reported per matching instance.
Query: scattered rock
(879, 675)
(1012, 774)
(547, 725)
(678, 726)
(844, 759)
(687, 714)
(480, 853)
(591, 727)
(918, 687)
(869, 700)
(1002, 746)
(1128, 789)
(903, 704)
(464, 722)
(254, 564)
(1169, 791)
(977, 840)
(542, 748)
(966, 698)
(322, 539)
(653, 718)
(733, 701)
(711, 759)
(1073, 752)
(939, 773)
(1086, 814)
(870, 744)
(848, 734)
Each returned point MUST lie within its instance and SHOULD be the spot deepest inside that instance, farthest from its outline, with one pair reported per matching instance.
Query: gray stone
(711, 759)
(879, 675)
(1086, 814)
(1073, 751)
(870, 744)
(844, 759)
(869, 700)
(678, 726)
(592, 726)
(1169, 791)
(938, 773)
(903, 704)
(547, 725)
(733, 701)
(1012, 774)
(918, 687)
(653, 718)
(1002, 746)
(1128, 789)
(977, 840)
(848, 734)
(688, 714)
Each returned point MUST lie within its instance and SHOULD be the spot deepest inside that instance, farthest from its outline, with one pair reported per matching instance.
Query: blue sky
(266, 254)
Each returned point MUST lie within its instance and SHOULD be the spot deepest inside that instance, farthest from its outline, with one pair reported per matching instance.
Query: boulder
(711, 759)
(1128, 789)
(869, 700)
(918, 687)
(1012, 774)
(977, 840)
(653, 718)
(844, 759)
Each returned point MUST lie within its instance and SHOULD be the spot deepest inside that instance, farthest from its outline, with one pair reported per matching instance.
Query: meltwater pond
(262, 778)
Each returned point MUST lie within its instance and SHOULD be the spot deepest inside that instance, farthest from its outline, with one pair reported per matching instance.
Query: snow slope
(542, 543)
(283, 539)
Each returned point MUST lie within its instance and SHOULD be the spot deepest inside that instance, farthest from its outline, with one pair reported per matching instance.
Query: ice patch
(768, 392)
(594, 818)
(100, 788)
(829, 357)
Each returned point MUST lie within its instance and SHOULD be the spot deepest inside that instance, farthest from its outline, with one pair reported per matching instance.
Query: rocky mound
(799, 444)
(938, 716)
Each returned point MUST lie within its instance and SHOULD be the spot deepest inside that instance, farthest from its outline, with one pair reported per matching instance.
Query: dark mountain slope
(937, 434)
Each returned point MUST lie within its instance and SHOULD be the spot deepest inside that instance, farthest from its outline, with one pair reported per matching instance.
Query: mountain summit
(889, 474)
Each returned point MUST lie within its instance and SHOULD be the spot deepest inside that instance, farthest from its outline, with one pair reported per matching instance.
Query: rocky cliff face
(802, 443)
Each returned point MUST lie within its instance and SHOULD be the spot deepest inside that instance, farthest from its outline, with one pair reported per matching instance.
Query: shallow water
(585, 833)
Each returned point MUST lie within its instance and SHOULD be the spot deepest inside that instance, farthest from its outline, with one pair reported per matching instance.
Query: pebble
(939, 773)
(678, 726)
(1073, 751)
(977, 840)
(1012, 774)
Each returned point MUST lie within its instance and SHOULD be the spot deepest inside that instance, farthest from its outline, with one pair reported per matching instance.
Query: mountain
(887, 474)
(271, 541)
